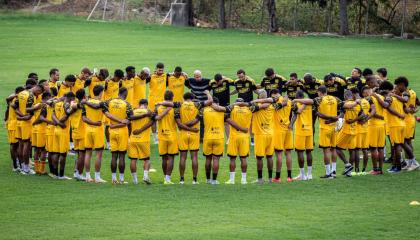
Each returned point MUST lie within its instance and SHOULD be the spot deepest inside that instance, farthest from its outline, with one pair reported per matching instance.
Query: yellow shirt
(157, 87)
(94, 81)
(61, 109)
(351, 114)
(92, 113)
(189, 111)
(11, 119)
(139, 90)
(119, 108)
(38, 128)
(281, 116)
(365, 105)
(303, 124)
(129, 84)
(77, 125)
(263, 121)
(111, 91)
(214, 124)
(242, 116)
(79, 84)
(409, 117)
(50, 110)
(63, 90)
(139, 123)
(379, 111)
(327, 105)
(167, 128)
(176, 85)
(24, 99)
(392, 120)
(52, 84)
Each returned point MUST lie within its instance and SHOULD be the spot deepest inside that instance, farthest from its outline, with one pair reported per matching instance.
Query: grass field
(370, 207)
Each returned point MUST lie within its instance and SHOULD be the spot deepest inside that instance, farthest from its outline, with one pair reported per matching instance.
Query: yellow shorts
(139, 150)
(23, 130)
(283, 140)
(94, 138)
(376, 136)
(118, 139)
(189, 142)
(346, 141)
(79, 144)
(214, 147)
(397, 134)
(303, 143)
(61, 140)
(327, 138)
(410, 129)
(362, 140)
(238, 146)
(11, 136)
(168, 147)
(49, 137)
(38, 140)
(263, 145)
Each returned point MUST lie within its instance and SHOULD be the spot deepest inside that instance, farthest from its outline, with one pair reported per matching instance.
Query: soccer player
(168, 143)
(97, 79)
(139, 143)
(24, 107)
(119, 111)
(292, 86)
(262, 127)
(239, 120)
(92, 115)
(61, 138)
(80, 83)
(355, 80)
(33, 76)
(335, 84)
(157, 87)
(303, 139)
(54, 78)
(310, 87)
(273, 81)
(244, 86)
(410, 121)
(140, 82)
(382, 74)
(67, 85)
(49, 134)
(128, 83)
(176, 83)
(187, 119)
(78, 134)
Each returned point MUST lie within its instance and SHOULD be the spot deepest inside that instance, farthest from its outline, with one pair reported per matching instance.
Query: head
(103, 74)
(69, 97)
(80, 94)
(85, 73)
(293, 77)
(188, 96)
(70, 80)
(300, 94)
(143, 103)
(30, 83)
(118, 75)
(401, 84)
(33, 76)
(160, 68)
(197, 75)
(145, 72)
(122, 93)
(329, 80)
(308, 78)
(356, 73)
(367, 72)
(44, 83)
(382, 72)
(130, 71)
(19, 89)
(241, 74)
(322, 91)
(262, 94)
(177, 71)
(218, 77)
(371, 81)
(98, 91)
(386, 87)
(355, 93)
(169, 95)
(54, 92)
(275, 93)
(366, 91)
(269, 73)
(46, 96)
(348, 95)
(54, 75)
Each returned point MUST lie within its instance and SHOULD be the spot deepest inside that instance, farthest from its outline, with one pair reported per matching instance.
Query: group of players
(86, 110)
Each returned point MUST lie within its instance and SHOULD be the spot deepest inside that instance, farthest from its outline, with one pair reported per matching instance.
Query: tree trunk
(222, 15)
(190, 10)
(271, 8)
(344, 23)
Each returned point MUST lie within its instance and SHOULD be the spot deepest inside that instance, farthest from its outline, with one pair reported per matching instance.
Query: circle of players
(355, 115)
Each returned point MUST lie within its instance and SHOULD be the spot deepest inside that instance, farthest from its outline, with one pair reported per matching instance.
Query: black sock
(289, 173)
(277, 175)
(259, 174)
(61, 172)
(195, 179)
(363, 169)
(182, 179)
(208, 174)
(214, 176)
(270, 173)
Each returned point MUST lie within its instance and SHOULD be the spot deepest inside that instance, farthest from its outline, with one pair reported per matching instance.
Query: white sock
(145, 174)
(302, 172)
(134, 175)
(309, 170)
(87, 175)
(71, 145)
(97, 175)
(334, 166)
(327, 169)
(232, 176)
(385, 152)
(114, 176)
(167, 178)
(121, 177)
(244, 175)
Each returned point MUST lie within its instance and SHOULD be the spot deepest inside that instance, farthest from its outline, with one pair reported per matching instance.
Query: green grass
(38, 207)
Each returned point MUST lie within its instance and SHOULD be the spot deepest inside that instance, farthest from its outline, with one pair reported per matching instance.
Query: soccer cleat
(289, 179)
(51, 175)
(168, 182)
(243, 181)
(327, 176)
(309, 177)
(99, 180)
(403, 163)
(276, 180)
(115, 181)
(195, 182)
(208, 181)
(23, 172)
(394, 170)
(214, 182)
(299, 178)
(80, 178)
(413, 167)
(347, 169)
(230, 181)
(258, 181)
(391, 169)
(334, 174)
(89, 180)
(147, 181)
(152, 170)
(66, 178)
(181, 182)
(354, 173)
(16, 169)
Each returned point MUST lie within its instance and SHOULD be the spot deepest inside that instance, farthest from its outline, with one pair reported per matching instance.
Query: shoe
(208, 181)
(115, 182)
(413, 167)
(389, 160)
(51, 175)
(181, 182)
(391, 169)
(16, 169)
(404, 163)
(289, 179)
(327, 176)
(71, 153)
(230, 181)
(309, 177)
(258, 181)
(394, 170)
(147, 181)
(152, 170)
(276, 180)
(299, 178)
(347, 169)
(214, 182)
(66, 178)
(354, 173)
(334, 174)
(195, 182)
(89, 180)
(406, 167)
(100, 180)
(122, 182)
(243, 181)
(80, 178)
(168, 182)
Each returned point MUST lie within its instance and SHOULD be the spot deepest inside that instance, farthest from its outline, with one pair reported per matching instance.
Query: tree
(190, 10)
(344, 22)
(271, 8)
(222, 14)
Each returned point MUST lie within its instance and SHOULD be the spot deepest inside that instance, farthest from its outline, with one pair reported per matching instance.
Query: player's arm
(144, 128)
(395, 113)
(162, 114)
(263, 100)
(57, 121)
(218, 108)
(140, 116)
(348, 105)
(236, 126)
(383, 103)
(293, 120)
(372, 112)
(404, 98)
(117, 125)
(305, 101)
(90, 122)
(43, 116)
(209, 100)
(185, 127)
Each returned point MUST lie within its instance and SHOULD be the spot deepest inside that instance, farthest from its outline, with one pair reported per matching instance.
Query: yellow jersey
(157, 86)
(282, 115)
(365, 106)
(242, 116)
(119, 108)
(129, 84)
(327, 105)
(139, 90)
(188, 111)
(62, 109)
(379, 111)
(92, 113)
(412, 96)
(24, 100)
(49, 112)
(214, 124)
(95, 81)
(79, 84)
(63, 89)
(41, 127)
(176, 85)
(263, 120)
(167, 127)
(398, 106)
(77, 124)
(139, 123)
(11, 117)
(303, 124)
(111, 90)
(351, 114)
(52, 84)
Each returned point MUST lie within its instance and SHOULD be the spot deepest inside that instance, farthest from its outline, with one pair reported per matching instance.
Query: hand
(196, 130)
(83, 101)
(206, 92)
(125, 121)
(98, 123)
(62, 125)
(244, 130)
(136, 132)
(290, 126)
(402, 116)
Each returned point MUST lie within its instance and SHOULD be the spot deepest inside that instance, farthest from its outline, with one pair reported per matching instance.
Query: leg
(215, 168)
(194, 159)
(208, 167)
(62, 161)
(182, 160)
(121, 165)
(279, 163)
(114, 156)
(170, 164)
(365, 159)
(270, 167)
(14, 154)
(88, 156)
(260, 165)
(98, 161)
(381, 159)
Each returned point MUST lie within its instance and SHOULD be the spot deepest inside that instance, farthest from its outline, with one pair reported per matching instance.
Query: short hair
(54, 91)
(130, 69)
(262, 93)
(69, 95)
(42, 81)
(178, 69)
(30, 82)
(274, 91)
(86, 71)
(122, 91)
(188, 96)
(365, 88)
(169, 95)
(53, 71)
(40, 86)
(32, 75)
(358, 70)
(80, 94)
(46, 95)
(19, 89)
(269, 72)
(299, 94)
(294, 75)
(70, 78)
(146, 70)
(328, 77)
(143, 101)
(367, 72)
(240, 71)
(216, 100)
(119, 73)
(401, 80)
(307, 77)
(382, 71)
(386, 86)
(322, 89)
(103, 72)
(97, 90)
(354, 91)
(348, 94)
(218, 77)
(370, 78)
(160, 65)
(197, 72)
